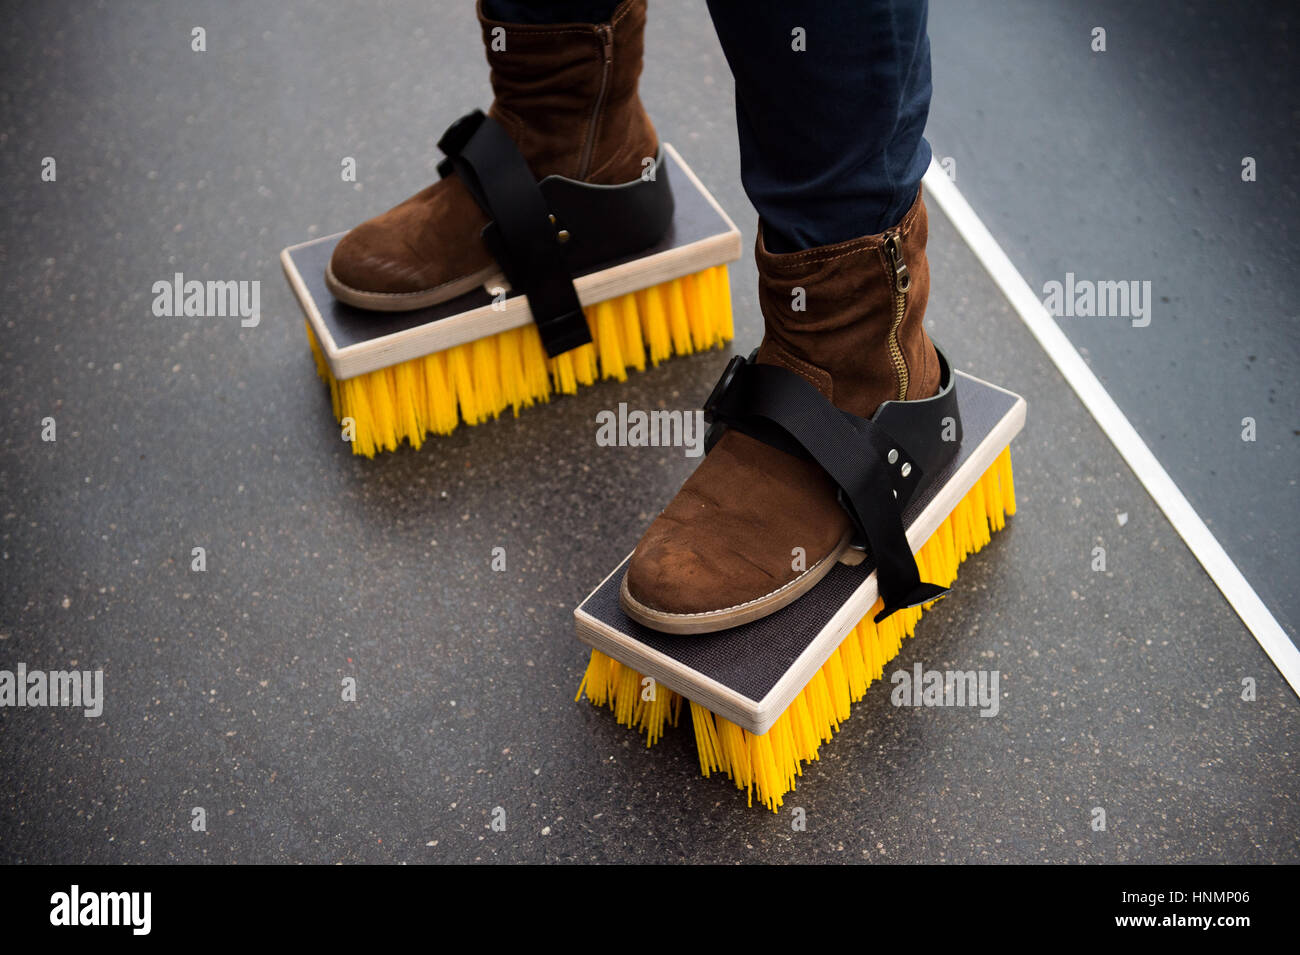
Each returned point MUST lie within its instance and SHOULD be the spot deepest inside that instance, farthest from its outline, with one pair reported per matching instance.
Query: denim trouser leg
(831, 143)
(831, 104)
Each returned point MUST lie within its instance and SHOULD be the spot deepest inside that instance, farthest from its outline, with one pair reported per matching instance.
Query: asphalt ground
(1122, 690)
(1128, 165)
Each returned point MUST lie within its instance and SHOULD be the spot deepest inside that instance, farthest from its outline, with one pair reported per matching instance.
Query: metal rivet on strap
(906, 469)
(893, 457)
(563, 234)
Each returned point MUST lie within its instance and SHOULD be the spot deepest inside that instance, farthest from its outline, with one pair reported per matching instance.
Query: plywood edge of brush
(359, 359)
(759, 716)
(665, 671)
(304, 297)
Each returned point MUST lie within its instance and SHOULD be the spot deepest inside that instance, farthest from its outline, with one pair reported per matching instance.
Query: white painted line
(1238, 591)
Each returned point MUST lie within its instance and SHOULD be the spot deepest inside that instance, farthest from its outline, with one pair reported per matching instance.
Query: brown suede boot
(567, 96)
(754, 527)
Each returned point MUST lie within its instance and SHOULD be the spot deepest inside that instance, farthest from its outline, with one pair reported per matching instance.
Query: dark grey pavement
(1121, 690)
(1127, 165)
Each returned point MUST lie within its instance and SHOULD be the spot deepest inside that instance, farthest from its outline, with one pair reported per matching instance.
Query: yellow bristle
(322, 369)
(767, 765)
(323, 372)
(441, 394)
(720, 300)
(594, 680)
(706, 740)
(374, 396)
(355, 407)
(609, 341)
(562, 373)
(796, 723)
(626, 695)
(586, 367)
(979, 516)
(383, 400)
(855, 667)
(347, 396)
(654, 323)
(409, 395)
(514, 383)
(654, 714)
(336, 400)
(459, 363)
(533, 355)
(420, 394)
(679, 322)
(479, 380)
(487, 382)
(703, 330)
(1006, 486)
(735, 753)
(629, 326)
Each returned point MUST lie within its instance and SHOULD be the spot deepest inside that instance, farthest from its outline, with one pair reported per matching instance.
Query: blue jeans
(831, 104)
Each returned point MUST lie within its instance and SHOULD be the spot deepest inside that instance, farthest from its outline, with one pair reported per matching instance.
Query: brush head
(751, 673)
(398, 376)
(765, 695)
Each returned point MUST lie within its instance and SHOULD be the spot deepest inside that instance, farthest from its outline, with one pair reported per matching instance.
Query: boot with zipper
(566, 95)
(755, 527)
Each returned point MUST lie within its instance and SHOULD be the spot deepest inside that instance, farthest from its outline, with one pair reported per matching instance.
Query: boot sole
(406, 301)
(711, 621)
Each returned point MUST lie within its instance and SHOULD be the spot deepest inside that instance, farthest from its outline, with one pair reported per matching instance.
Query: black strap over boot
(878, 464)
(542, 234)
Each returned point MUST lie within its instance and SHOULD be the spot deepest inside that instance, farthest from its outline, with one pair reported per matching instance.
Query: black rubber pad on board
(694, 218)
(751, 658)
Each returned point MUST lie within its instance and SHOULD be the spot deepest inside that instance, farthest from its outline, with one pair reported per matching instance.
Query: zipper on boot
(902, 281)
(606, 34)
